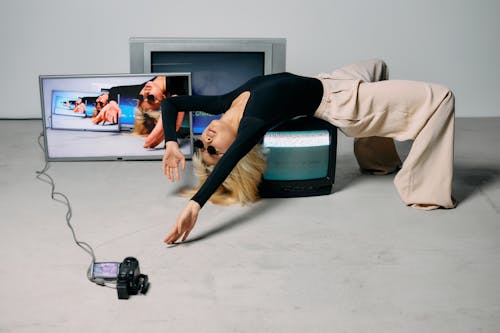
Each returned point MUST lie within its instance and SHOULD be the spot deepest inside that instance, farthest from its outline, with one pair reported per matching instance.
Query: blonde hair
(242, 184)
(145, 120)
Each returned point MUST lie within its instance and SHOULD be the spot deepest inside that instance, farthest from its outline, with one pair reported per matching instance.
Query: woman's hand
(109, 113)
(171, 159)
(156, 136)
(80, 108)
(185, 223)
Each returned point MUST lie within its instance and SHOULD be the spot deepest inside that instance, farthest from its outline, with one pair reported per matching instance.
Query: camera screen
(106, 270)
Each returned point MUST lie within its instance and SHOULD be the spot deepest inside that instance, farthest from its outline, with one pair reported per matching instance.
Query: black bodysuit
(273, 99)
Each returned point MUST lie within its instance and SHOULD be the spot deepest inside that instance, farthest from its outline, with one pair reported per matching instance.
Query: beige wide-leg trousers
(375, 155)
(400, 110)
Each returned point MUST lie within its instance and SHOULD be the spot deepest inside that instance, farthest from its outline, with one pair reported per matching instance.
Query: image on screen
(111, 116)
(297, 155)
(212, 73)
(106, 270)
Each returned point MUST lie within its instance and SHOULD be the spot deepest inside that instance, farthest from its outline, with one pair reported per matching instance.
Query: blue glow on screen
(127, 105)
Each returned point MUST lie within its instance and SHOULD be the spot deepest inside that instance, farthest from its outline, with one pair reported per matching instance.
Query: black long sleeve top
(273, 99)
(131, 91)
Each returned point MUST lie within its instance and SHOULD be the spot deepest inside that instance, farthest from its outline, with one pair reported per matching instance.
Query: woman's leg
(425, 181)
(375, 155)
(367, 71)
(425, 113)
(402, 110)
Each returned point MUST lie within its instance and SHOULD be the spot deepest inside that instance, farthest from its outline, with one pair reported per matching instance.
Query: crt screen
(297, 155)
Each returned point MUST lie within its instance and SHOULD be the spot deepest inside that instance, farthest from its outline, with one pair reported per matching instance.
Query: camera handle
(144, 282)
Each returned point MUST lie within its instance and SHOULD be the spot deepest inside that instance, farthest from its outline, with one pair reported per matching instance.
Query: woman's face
(101, 102)
(154, 102)
(219, 135)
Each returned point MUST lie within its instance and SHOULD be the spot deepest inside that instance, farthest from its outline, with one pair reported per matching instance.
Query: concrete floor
(354, 261)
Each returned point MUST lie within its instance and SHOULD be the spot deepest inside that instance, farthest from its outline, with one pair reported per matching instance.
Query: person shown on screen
(80, 107)
(357, 99)
(147, 117)
(100, 102)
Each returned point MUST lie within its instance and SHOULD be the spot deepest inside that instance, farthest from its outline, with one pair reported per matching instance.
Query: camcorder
(127, 274)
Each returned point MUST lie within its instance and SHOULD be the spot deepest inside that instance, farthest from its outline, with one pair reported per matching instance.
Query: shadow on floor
(470, 179)
(346, 172)
(260, 208)
(467, 181)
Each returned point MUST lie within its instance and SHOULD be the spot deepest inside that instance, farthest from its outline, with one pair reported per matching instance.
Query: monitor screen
(300, 158)
(212, 73)
(297, 155)
(110, 117)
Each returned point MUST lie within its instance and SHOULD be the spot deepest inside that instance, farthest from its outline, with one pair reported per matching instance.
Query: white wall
(452, 42)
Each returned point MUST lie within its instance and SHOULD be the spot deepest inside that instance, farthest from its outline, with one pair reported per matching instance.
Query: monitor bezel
(141, 48)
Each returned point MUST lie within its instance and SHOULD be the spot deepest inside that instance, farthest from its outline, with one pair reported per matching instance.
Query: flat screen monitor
(110, 117)
(217, 65)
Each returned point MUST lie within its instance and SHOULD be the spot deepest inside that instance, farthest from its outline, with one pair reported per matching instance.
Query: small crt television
(301, 157)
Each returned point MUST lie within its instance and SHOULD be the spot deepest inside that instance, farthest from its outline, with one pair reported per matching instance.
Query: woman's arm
(250, 133)
(185, 223)
(171, 106)
(173, 156)
(170, 109)
(156, 136)
(187, 218)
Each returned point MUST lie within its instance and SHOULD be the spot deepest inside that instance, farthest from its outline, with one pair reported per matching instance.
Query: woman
(147, 115)
(80, 107)
(347, 98)
(147, 119)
